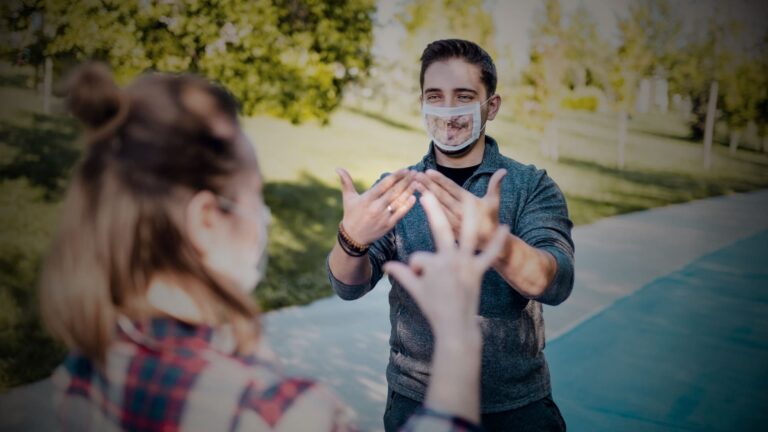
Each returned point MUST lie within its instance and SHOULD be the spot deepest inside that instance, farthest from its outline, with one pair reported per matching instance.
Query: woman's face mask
(453, 129)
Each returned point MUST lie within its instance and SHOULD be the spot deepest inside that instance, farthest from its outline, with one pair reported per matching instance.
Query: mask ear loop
(482, 129)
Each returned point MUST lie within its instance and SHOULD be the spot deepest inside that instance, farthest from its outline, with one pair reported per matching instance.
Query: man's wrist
(504, 257)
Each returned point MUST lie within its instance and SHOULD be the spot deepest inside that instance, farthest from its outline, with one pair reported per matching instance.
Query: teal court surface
(688, 351)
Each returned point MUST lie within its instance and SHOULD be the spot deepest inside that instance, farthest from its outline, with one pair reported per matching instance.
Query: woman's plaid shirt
(168, 375)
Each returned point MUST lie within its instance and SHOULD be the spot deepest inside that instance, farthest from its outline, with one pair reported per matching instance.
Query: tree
(287, 58)
(648, 39)
(742, 94)
(546, 72)
(567, 52)
(761, 115)
(698, 64)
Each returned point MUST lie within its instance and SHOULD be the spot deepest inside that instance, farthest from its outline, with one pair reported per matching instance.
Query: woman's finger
(469, 228)
(438, 222)
(406, 277)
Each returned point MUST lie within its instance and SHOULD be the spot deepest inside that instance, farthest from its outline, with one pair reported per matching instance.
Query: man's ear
(493, 106)
(202, 221)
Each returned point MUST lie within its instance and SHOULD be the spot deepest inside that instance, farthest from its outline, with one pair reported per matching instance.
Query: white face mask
(453, 129)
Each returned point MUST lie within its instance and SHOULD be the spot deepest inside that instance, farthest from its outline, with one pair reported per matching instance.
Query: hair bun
(92, 95)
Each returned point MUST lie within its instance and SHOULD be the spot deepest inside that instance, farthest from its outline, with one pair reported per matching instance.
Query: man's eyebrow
(432, 89)
(462, 89)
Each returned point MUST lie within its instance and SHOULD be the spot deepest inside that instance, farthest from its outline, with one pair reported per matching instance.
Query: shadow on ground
(40, 148)
(306, 214)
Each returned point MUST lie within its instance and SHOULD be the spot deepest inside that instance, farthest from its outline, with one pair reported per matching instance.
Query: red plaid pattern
(169, 376)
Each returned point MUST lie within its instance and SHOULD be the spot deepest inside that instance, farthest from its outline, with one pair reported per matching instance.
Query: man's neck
(473, 158)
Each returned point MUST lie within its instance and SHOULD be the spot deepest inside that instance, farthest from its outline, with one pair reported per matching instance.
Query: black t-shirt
(459, 175)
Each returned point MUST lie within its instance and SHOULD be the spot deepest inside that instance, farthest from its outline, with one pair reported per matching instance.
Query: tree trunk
(622, 137)
(734, 140)
(47, 85)
(549, 140)
(765, 143)
(709, 127)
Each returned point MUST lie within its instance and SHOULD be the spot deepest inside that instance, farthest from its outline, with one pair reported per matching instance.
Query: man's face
(453, 83)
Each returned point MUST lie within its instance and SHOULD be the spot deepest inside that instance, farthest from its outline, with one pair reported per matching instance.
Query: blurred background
(628, 104)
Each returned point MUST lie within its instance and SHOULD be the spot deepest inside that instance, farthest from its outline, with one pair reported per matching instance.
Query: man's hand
(370, 215)
(452, 197)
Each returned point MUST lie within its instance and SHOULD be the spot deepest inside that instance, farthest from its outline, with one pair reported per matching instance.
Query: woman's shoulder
(261, 397)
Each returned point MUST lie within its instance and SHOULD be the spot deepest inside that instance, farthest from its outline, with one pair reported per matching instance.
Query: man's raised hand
(370, 215)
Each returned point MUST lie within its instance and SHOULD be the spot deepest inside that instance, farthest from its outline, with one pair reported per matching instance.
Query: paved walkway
(617, 260)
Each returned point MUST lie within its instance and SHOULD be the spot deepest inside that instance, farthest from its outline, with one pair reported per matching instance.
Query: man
(458, 83)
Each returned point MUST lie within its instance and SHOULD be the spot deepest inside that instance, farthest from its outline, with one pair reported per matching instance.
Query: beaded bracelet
(351, 247)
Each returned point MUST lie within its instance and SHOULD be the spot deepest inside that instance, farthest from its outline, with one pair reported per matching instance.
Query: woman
(163, 236)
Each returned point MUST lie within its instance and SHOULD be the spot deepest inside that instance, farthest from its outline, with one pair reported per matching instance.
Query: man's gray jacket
(514, 371)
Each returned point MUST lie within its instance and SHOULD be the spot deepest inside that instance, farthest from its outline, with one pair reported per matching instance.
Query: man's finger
(347, 186)
(438, 222)
(446, 199)
(402, 209)
(493, 247)
(494, 184)
(387, 182)
(449, 185)
(390, 196)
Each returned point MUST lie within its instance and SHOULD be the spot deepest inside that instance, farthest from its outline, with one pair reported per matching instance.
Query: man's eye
(465, 98)
(433, 97)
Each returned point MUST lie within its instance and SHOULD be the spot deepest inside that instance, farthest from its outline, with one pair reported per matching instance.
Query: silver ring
(390, 209)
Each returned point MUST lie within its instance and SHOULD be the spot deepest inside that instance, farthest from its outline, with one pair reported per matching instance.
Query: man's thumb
(347, 187)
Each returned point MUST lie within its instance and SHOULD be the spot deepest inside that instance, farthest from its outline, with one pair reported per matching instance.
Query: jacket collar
(492, 159)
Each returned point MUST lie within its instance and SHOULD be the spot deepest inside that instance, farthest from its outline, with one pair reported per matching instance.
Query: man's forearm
(348, 269)
(529, 270)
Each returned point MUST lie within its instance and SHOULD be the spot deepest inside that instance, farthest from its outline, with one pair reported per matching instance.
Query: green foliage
(42, 151)
(585, 102)
(27, 353)
(426, 21)
(742, 94)
(287, 58)
(649, 43)
(704, 60)
(567, 54)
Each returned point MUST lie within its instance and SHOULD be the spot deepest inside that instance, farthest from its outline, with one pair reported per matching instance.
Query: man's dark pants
(541, 415)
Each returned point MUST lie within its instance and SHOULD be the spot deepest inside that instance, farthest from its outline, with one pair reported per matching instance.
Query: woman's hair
(148, 149)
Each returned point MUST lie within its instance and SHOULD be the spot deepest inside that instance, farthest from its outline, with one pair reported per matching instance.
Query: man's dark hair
(468, 51)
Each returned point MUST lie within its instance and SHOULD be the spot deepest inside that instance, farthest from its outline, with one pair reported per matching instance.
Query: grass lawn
(37, 152)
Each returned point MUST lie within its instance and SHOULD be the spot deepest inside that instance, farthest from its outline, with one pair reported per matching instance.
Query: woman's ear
(203, 222)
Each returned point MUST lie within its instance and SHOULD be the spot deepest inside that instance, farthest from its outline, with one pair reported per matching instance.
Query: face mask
(453, 129)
